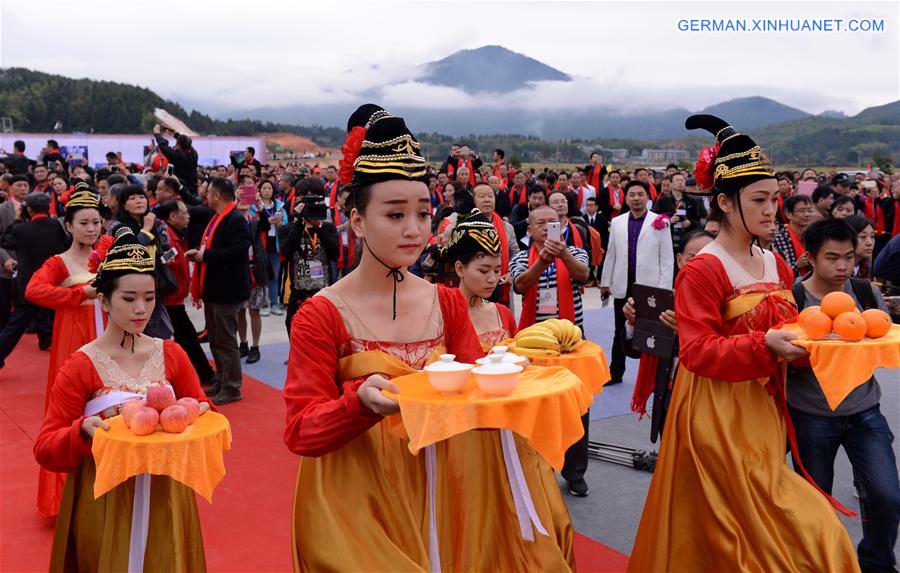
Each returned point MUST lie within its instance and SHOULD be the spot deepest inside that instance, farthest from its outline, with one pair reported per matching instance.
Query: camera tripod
(623, 456)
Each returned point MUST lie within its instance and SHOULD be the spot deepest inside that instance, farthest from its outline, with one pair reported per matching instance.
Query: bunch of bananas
(547, 338)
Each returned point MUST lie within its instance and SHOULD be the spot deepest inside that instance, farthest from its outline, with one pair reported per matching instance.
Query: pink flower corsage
(661, 222)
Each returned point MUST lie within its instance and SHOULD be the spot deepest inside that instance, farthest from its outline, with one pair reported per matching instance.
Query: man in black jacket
(35, 239)
(222, 281)
(17, 163)
(53, 157)
(183, 157)
(249, 162)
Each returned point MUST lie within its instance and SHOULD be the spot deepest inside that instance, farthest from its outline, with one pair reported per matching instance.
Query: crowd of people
(454, 249)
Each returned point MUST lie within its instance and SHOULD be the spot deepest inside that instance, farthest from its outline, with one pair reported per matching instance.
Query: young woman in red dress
(63, 283)
(95, 535)
(362, 501)
(722, 497)
(473, 250)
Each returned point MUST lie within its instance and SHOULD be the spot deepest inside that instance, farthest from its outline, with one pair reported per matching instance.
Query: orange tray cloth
(587, 361)
(545, 409)
(193, 457)
(842, 366)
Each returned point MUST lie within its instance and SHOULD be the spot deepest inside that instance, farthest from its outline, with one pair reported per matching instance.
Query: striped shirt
(519, 264)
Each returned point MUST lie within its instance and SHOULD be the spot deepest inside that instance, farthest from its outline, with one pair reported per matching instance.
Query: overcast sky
(630, 55)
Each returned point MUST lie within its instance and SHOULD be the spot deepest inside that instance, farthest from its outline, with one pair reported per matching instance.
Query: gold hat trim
(404, 172)
(387, 159)
(83, 199)
(405, 137)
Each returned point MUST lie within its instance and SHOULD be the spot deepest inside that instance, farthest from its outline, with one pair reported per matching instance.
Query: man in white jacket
(640, 251)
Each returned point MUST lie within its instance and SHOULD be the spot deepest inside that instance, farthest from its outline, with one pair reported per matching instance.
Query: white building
(211, 150)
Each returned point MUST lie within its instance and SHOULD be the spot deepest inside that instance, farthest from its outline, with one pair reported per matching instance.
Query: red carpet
(248, 526)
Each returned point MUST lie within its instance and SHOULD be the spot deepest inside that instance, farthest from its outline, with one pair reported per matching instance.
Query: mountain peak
(747, 113)
(489, 68)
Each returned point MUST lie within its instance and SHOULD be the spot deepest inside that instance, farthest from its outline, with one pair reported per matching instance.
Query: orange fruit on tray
(815, 323)
(878, 322)
(850, 326)
(836, 303)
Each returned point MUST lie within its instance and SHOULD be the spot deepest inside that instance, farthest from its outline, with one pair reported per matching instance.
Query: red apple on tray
(160, 397)
(130, 408)
(144, 421)
(192, 406)
(175, 419)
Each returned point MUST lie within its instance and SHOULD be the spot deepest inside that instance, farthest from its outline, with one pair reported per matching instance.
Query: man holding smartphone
(549, 276)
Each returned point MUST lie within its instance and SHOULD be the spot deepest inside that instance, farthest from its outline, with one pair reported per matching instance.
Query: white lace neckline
(113, 376)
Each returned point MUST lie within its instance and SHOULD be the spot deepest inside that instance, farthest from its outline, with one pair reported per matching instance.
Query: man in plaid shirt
(798, 210)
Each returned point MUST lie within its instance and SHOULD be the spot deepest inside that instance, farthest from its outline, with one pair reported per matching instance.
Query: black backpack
(862, 289)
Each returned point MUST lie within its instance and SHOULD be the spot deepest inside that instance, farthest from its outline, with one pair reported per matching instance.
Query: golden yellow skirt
(364, 508)
(94, 535)
(722, 498)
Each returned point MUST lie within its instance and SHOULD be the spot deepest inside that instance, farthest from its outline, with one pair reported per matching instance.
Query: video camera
(314, 208)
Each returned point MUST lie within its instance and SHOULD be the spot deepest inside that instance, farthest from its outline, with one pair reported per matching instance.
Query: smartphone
(247, 195)
(170, 170)
(54, 165)
(113, 168)
(169, 255)
(553, 231)
(869, 185)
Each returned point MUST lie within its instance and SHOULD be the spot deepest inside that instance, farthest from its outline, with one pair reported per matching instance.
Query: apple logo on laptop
(651, 301)
(651, 342)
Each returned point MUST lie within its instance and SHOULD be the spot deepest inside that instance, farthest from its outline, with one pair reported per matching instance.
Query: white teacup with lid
(446, 375)
(498, 377)
(507, 357)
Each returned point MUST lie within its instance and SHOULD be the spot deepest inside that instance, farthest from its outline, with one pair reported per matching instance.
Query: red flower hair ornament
(350, 151)
(704, 171)
(98, 253)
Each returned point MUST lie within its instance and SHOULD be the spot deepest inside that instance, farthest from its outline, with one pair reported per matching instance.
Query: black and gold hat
(125, 256)
(83, 198)
(472, 235)
(379, 147)
(733, 162)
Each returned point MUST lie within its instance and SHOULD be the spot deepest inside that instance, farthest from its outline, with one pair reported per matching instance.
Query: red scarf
(463, 163)
(580, 196)
(576, 236)
(523, 195)
(896, 230)
(781, 208)
(594, 176)
(504, 242)
(504, 252)
(343, 263)
(199, 276)
(332, 192)
(653, 193)
(796, 242)
(615, 193)
(290, 200)
(565, 299)
(40, 216)
(645, 383)
(875, 213)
